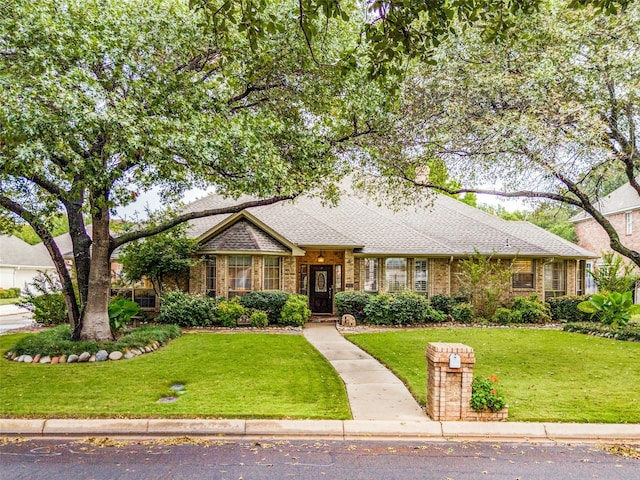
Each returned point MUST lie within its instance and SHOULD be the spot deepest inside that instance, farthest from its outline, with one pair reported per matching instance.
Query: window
(145, 299)
(239, 275)
(271, 279)
(396, 274)
(591, 286)
(523, 273)
(338, 278)
(210, 282)
(304, 279)
(555, 284)
(580, 277)
(629, 222)
(420, 276)
(370, 274)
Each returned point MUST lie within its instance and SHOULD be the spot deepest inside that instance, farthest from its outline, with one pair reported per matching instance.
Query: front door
(321, 288)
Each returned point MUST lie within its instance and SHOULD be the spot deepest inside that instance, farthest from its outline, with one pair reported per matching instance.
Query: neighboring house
(622, 208)
(317, 250)
(21, 262)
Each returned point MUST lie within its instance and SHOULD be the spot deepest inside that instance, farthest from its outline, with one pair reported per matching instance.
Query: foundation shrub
(504, 316)
(410, 308)
(462, 312)
(269, 301)
(353, 303)
(531, 310)
(565, 308)
(259, 319)
(228, 312)
(295, 311)
(378, 310)
(184, 310)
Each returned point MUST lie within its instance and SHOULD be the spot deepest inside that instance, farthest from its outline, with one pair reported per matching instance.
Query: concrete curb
(328, 429)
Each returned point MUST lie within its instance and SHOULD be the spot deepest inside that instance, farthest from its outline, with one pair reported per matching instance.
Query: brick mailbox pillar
(449, 377)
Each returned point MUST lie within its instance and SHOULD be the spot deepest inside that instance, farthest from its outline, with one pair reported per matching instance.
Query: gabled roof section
(623, 199)
(242, 232)
(17, 252)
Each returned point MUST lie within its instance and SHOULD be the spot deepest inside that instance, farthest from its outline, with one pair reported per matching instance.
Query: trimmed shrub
(352, 303)
(531, 310)
(462, 312)
(269, 301)
(9, 293)
(296, 311)
(378, 310)
(186, 310)
(503, 316)
(442, 303)
(565, 308)
(228, 312)
(259, 319)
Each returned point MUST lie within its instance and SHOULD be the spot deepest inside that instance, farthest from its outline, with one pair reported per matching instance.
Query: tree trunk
(95, 315)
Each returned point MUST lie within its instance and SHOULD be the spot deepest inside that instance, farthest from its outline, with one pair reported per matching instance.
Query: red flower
(494, 379)
(494, 391)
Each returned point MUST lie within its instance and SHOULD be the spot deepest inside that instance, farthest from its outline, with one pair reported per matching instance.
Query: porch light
(321, 257)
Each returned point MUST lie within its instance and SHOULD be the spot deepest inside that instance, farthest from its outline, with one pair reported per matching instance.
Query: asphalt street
(186, 458)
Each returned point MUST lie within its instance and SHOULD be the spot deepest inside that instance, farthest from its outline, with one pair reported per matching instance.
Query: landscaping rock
(63, 359)
(36, 359)
(115, 355)
(102, 355)
(129, 355)
(20, 358)
(27, 359)
(45, 360)
(55, 360)
(73, 358)
(84, 357)
(148, 349)
(92, 358)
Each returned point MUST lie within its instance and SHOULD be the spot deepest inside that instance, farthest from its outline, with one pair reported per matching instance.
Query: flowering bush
(485, 394)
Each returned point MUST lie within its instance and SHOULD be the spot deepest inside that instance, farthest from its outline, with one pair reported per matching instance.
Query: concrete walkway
(374, 392)
(13, 316)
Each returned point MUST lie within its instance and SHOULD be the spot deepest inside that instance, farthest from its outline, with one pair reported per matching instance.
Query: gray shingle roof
(243, 236)
(622, 199)
(16, 252)
(441, 227)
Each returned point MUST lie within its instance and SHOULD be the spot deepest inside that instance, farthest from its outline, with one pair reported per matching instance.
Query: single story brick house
(318, 250)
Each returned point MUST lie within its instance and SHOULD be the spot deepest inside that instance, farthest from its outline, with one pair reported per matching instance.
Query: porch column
(349, 270)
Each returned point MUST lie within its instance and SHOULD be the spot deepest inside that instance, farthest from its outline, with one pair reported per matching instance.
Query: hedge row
(256, 308)
(383, 309)
(9, 292)
(629, 332)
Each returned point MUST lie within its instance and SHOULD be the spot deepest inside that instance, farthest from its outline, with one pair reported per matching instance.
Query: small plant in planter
(485, 395)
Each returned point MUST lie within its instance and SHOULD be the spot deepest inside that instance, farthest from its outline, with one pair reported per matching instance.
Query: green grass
(10, 301)
(547, 375)
(225, 376)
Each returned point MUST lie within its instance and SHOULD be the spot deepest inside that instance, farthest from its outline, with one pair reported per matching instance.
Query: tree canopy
(550, 113)
(104, 99)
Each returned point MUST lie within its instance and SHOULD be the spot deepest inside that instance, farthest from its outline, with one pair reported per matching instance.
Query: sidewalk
(374, 392)
(329, 429)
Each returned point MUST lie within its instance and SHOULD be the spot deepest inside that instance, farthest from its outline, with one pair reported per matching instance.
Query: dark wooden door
(321, 288)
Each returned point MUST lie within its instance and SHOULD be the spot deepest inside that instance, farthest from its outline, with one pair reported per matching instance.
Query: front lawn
(225, 376)
(547, 375)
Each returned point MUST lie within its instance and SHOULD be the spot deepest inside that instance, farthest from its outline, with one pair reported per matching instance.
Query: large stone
(84, 357)
(115, 355)
(73, 358)
(102, 355)
(45, 360)
(92, 358)
(348, 320)
(63, 359)
(129, 355)
(36, 359)
(27, 359)
(55, 360)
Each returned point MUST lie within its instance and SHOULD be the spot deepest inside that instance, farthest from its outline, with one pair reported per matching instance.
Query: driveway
(13, 316)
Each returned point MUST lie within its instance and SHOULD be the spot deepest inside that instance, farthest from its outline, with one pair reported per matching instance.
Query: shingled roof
(622, 199)
(441, 227)
(17, 252)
